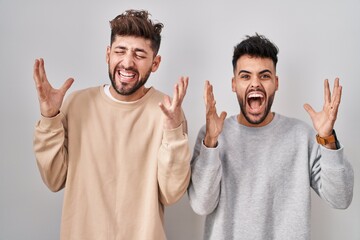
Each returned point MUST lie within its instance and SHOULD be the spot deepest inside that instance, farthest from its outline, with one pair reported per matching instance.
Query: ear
(233, 84)
(277, 83)
(108, 49)
(156, 63)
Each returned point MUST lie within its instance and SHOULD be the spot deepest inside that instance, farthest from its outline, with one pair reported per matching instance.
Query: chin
(256, 120)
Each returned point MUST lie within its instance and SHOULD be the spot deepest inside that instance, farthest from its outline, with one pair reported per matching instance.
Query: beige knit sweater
(116, 163)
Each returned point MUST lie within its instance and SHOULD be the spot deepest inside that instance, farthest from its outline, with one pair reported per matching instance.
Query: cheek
(113, 62)
(241, 88)
(144, 68)
(110, 65)
(109, 60)
(240, 92)
(271, 89)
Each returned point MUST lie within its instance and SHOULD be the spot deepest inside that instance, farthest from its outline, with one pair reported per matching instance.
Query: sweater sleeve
(51, 151)
(173, 165)
(332, 177)
(204, 188)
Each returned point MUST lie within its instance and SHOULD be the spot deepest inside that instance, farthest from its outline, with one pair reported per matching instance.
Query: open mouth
(126, 76)
(256, 101)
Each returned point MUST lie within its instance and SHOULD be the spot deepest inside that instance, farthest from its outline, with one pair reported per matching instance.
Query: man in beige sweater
(120, 151)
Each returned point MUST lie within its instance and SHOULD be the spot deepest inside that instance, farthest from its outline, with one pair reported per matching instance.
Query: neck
(242, 120)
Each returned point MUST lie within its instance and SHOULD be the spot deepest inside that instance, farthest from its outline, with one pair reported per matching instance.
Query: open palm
(172, 108)
(50, 99)
(214, 122)
(324, 120)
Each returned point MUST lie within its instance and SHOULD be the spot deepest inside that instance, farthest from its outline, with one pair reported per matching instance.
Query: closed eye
(119, 52)
(140, 56)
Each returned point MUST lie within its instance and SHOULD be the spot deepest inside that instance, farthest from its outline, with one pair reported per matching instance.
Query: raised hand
(214, 122)
(50, 99)
(172, 108)
(324, 121)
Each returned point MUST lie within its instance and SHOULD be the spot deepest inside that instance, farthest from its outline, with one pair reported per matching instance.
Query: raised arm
(206, 168)
(174, 154)
(332, 176)
(50, 143)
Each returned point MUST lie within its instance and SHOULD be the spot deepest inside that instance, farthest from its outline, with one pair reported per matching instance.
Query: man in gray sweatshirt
(252, 172)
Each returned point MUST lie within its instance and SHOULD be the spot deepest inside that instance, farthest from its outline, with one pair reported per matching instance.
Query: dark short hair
(255, 46)
(138, 24)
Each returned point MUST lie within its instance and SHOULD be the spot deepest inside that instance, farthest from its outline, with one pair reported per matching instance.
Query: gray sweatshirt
(256, 183)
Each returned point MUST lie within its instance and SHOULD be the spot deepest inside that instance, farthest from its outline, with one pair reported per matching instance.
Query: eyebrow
(135, 49)
(261, 72)
(265, 71)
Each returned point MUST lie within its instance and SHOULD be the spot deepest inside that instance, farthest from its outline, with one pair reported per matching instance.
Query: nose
(127, 61)
(255, 82)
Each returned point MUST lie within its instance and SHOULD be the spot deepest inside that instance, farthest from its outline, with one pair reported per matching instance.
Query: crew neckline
(105, 91)
(108, 93)
(270, 125)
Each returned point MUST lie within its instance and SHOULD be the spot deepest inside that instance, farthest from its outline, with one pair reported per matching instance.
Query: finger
(336, 103)
(175, 96)
(337, 82)
(223, 116)
(38, 83)
(209, 94)
(183, 88)
(310, 110)
(166, 101)
(336, 95)
(164, 109)
(36, 71)
(327, 95)
(66, 85)
(206, 91)
(42, 72)
(186, 81)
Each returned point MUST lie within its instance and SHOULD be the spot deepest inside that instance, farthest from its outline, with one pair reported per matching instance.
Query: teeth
(255, 95)
(127, 75)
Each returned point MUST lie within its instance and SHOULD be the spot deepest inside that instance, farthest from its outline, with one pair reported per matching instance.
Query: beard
(264, 114)
(122, 88)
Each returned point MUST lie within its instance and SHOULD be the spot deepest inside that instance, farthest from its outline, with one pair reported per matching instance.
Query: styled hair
(255, 46)
(138, 24)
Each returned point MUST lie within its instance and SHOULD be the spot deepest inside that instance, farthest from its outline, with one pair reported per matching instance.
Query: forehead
(131, 42)
(254, 64)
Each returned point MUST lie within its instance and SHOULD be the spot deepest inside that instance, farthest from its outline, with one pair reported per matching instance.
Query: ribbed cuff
(211, 155)
(174, 134)
(333, 158)
(52, 123)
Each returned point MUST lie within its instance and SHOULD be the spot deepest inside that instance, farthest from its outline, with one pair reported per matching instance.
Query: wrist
(169, 124)
(330, 141)
(210, 142)
(50, 114)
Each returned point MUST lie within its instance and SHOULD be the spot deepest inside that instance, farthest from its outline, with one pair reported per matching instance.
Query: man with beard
(252, 173)
(120, 151)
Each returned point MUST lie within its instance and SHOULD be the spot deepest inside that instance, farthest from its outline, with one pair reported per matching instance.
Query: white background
(317, 40)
